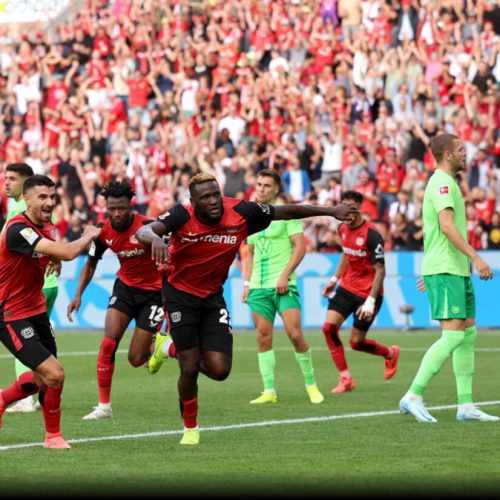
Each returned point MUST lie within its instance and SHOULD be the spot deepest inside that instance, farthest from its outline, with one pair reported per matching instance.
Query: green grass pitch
(353, 444)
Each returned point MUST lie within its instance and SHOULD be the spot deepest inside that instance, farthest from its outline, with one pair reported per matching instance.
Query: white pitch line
(265, 423)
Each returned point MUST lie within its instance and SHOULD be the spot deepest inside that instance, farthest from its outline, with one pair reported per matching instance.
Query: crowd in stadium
(334, 94)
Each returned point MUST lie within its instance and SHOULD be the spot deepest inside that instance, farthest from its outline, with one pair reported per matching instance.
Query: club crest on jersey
(29, 235)
(360, 240)
(27, 333)
(444, 190)
(109, 242)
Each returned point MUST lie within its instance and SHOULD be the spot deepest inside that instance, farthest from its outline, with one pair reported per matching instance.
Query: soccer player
(15, 175)
(204, 240)
(446, 275)
(359, 280)
(136, 292)
(27, 252)
(271, 286)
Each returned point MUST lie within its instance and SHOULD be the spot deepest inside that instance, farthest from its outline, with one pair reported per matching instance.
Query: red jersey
(22, 269)
(364, 247)
(137, 269)
(200, 256)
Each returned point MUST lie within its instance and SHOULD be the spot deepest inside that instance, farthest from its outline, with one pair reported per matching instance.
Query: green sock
(306, 365)
(20, 368)
(435, 358)
(463, 365)
(267, 363)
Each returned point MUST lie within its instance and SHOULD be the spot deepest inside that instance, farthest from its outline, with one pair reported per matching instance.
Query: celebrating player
(136, 292)
(27, 252)
(15, 175)
(271, 286)
(205, 238)
(360, 277)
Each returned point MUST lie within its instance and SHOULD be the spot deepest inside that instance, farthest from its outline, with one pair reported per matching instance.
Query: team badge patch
(444, 190)
(359, 240)
(27, 333)
(176, 316)
(29, 235)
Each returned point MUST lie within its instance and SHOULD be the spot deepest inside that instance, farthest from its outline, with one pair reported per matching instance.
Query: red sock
(189, 412)
(172, 352)
(50, 401)
(105, 368)
(335, 346)
(23, 387)
(371, 347)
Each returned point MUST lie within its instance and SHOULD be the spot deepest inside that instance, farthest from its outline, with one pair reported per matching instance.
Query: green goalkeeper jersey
(440, 256)
(16, 207)
(272, 251)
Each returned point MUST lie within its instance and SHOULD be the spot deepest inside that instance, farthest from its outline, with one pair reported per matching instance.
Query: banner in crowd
(400, 289)
(30, 11)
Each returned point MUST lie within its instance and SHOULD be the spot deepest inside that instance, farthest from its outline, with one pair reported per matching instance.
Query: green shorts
(267, 301)
(50, 298)
(450, 296)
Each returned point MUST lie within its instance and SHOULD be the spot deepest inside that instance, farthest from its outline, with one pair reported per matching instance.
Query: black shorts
(347, 303)
(142, 305)
(196, 321)
(30, 340)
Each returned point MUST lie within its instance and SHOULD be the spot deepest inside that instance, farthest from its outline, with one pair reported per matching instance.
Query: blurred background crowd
(334, 94)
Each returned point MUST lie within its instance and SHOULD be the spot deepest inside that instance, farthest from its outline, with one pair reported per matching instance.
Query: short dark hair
(117, 189)
(23, 169)
(269, 172)
(37, 180)
(442, 143)
(355, 196)
(200, 178)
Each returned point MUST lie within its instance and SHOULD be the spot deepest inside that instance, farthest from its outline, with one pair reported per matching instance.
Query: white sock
(270, 391)
(104, 406)
(466, 407)
(412, 396)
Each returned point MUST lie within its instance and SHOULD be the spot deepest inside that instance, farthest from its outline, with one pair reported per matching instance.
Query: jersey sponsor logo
(176, 316)
(27, 333)
(355, 252)
(125, 254)
(29, 235)
(211, 238)
(444, 190)
(360, 240)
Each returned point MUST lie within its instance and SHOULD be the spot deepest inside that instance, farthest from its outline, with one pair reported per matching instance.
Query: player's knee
(220, 373)
(55, 377)
(356, 345)
(331, 332)
(136, 359)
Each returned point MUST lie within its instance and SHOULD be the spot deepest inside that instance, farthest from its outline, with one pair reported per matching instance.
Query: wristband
(246, 283)
(334, 279)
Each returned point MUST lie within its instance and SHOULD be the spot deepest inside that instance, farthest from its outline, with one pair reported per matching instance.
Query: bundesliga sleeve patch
(29, 235)
(444, 190)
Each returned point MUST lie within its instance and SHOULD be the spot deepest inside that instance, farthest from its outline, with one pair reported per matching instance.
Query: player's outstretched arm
(341, 212)
(151, 235)
(68, 251)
